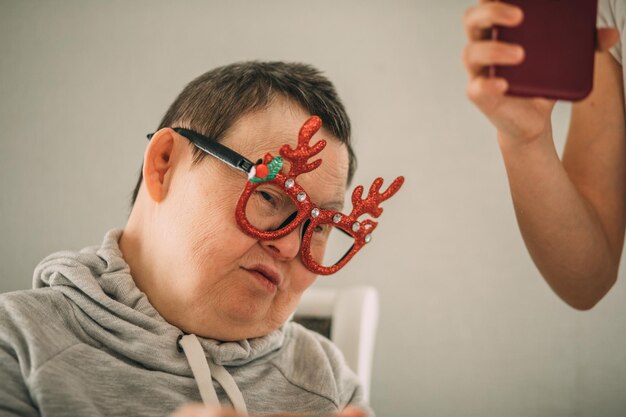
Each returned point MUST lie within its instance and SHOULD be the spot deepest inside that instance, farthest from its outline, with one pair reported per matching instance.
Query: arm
(571, 214)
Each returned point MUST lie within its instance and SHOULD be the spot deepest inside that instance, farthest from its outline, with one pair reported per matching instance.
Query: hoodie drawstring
(204, 370)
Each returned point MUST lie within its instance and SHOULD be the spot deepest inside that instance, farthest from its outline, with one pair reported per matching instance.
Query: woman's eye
(268, 200)
(266, 196)
(320, 228)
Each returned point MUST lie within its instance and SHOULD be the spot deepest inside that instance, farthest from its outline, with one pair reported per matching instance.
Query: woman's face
(217, 282)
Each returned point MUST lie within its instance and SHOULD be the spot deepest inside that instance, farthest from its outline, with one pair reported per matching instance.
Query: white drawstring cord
(201, 369)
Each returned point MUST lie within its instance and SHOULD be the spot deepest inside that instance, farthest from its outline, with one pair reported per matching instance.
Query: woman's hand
(518, 120)
(199, 410)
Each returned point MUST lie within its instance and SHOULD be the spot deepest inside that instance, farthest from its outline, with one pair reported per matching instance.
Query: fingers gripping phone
(558, 37)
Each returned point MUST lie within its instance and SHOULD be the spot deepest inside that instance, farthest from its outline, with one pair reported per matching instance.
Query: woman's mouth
(268, 278)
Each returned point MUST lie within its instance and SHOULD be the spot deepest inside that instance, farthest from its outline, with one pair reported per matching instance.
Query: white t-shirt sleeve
(612, 13)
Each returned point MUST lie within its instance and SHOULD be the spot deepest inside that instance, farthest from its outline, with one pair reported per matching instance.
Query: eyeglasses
(273, 204)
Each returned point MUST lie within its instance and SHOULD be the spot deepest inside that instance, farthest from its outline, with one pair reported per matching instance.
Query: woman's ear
(157, 163)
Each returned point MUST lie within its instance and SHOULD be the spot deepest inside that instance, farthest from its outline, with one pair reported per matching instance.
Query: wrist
(541, 141)
(528, 153)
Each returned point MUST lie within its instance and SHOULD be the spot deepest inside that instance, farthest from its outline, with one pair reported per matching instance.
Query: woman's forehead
(265, 131)
(254, 137)
(270, 128)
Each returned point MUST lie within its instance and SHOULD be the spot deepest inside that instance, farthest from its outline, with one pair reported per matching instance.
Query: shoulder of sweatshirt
(315, 364)
(36, 325)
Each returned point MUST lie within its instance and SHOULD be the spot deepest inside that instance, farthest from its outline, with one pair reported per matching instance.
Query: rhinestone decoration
(356, 226)
(301, 196)
(289, 183)
(337, 218)
(315, 212)
(368, 238)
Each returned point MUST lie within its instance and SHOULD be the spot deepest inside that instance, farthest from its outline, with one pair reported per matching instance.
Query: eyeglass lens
(271, 209)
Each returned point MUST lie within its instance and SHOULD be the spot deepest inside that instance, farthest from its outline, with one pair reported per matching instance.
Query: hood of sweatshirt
(112, 311)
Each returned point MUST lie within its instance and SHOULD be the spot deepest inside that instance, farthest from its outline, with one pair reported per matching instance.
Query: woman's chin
(254, 324)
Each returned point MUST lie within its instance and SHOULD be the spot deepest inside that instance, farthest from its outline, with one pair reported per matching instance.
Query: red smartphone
(558, 37)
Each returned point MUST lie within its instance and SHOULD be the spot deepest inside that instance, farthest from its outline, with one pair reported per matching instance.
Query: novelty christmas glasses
(273, 204)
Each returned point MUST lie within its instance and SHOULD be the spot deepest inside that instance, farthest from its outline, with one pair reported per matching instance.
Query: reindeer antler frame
(271, 172)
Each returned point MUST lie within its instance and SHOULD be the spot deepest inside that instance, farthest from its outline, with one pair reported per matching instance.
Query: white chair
(348, 317)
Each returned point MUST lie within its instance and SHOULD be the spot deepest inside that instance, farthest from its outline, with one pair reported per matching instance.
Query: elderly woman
(190, 301)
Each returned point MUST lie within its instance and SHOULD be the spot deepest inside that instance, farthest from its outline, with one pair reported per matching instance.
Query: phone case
(558, 37)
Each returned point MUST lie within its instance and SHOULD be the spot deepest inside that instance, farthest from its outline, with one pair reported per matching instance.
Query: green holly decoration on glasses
(266, 172)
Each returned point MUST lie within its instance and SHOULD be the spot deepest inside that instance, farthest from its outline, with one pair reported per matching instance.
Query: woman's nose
(287, 247)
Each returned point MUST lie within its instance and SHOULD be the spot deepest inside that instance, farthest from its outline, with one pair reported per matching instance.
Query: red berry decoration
(261, 171)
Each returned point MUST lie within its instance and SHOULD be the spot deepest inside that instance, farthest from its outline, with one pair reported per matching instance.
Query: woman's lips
(269, 278)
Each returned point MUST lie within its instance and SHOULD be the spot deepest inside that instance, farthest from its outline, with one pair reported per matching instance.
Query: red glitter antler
(361, 231)
(298, 157)
(370, 203)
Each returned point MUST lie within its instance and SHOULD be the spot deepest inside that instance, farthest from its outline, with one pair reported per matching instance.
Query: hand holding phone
(519, 119)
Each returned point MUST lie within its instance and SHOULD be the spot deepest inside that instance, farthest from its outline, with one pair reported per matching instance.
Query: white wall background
(468, 327)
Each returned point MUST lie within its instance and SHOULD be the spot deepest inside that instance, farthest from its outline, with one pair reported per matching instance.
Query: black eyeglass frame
(215, 149)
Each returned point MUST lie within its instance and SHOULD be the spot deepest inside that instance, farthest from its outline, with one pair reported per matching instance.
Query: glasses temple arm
(215, 149)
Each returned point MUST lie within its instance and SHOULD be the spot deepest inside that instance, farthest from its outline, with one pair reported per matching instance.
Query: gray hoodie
(86, 342)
